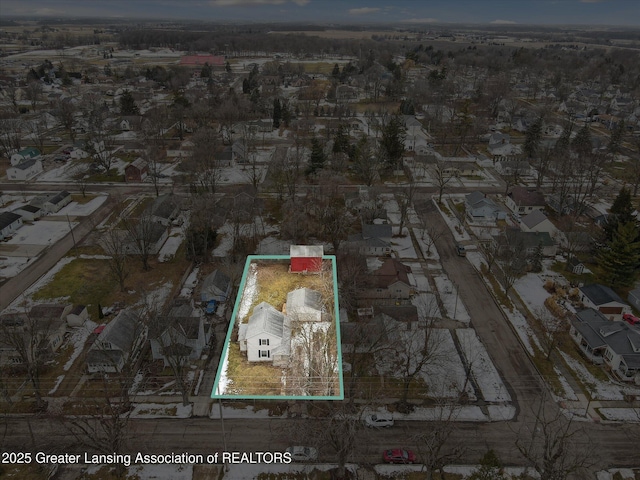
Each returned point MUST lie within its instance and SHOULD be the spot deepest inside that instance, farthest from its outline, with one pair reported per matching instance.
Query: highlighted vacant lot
(284, 338)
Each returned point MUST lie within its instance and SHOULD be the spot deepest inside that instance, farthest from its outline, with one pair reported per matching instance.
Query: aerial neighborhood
(428, 226)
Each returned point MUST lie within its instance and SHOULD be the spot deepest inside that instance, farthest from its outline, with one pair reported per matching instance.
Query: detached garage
(306, 258)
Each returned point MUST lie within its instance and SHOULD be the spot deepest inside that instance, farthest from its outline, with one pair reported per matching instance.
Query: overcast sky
(585, 12)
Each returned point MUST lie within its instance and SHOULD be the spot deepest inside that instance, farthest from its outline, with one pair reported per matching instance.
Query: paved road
(501, 342)
(14, 287)
(608, 442)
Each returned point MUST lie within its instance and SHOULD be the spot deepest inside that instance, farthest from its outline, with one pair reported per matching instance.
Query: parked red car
(399, 455)
(630, 319)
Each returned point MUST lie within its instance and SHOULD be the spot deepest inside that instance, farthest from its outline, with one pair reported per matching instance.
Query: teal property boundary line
(225, 350)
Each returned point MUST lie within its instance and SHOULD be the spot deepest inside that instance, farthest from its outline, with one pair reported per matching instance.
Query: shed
(9, 223)
(306, 258)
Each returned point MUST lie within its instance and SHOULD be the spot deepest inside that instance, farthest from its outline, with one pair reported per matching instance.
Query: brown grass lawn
(89, 281)
(275, 282)
(252, 378)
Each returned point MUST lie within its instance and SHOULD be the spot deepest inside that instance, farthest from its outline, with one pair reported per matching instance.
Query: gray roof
(474, 197)
(530, 239)
(216, 279)
(57, 198)
(28, 208)
(7, 218)
(534, 218)
(377, 231)
(622, 338)
(304, 297)
(26, 164)
(306, 251)
(601, 294)
(164, 206)
(266, 319)
(121, 332)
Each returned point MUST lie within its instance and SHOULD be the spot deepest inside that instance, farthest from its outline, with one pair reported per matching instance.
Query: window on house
(263, 341)
(264, 353)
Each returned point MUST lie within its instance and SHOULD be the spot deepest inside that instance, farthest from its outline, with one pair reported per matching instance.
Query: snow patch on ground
(42, 232)
(230, 412)
(569, 394)
(159, 410)
(621, 414)
(78, 338)
(82, 209)
(190, 283)
(171, 245)
(483, 370)
(57, 384)
(403, 246)
(531, 290)
(451, 300)
(598, 390)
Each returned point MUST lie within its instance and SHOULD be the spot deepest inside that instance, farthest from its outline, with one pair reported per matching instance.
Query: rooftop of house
(266, 319)
(601, 294)
(7, 218)
(534, 218)
(622, 338)
(120, 332)
(58, 197)
(392, 271)
(26, 164)
(524, 197)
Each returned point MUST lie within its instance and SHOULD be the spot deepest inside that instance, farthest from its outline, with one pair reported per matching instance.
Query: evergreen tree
(532, 139)
(490, 468)
(245, 86)
(227, 66)
(536, 259)
(286, 114)
(277, 113)
(205, 72)
(582, 141)
(621, 212)
(341, 141)
(128, 104)
(620, 259)
(616, 138)
(317, 157)
(100, 314)
(392, 142)
(336, 71)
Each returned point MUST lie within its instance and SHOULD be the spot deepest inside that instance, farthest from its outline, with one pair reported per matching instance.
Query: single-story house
(528, 241)
(59, 200)
(266, 337)
(23, 155)
(25, 170)
(305, 305)
(523, 201)
(165, 209)
(119, 342)
(480, 208)
(306, 258)
(537, 221)
(9, 223)
(29, 212)
(605, 300)
(615, 344)
(216, 286)
(136, 171)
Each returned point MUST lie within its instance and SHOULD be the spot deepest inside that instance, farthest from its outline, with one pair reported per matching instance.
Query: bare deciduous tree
(555, 447)
(115, 246)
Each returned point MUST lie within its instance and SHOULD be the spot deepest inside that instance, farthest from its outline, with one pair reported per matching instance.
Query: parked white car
(303, 454)
(379, 420)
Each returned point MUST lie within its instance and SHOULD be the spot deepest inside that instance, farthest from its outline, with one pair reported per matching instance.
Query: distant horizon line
(403, 23)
